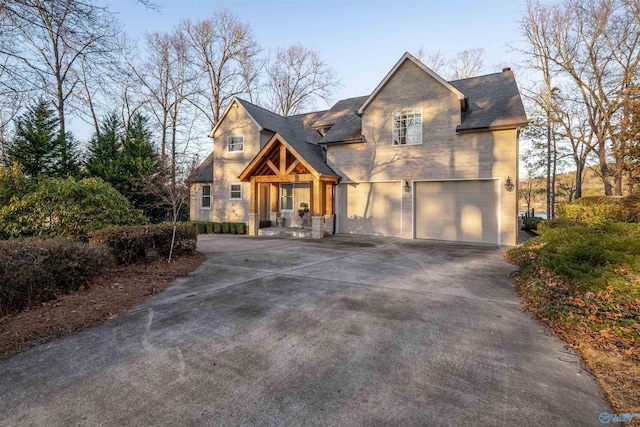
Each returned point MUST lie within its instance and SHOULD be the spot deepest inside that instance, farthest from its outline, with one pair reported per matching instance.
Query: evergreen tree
(34, 147)
(103, 153)
(66, 157)
(141, 165)
(38, 147)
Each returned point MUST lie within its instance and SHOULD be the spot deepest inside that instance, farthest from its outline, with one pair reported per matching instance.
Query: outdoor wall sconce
(407, 186)
(509, 185)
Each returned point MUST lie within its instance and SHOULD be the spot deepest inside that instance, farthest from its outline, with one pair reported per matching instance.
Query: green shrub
(209, 227)
(531, 223)
(34, 270)
(14, 184)
(547, 224)
(241, 228)
(201, 227)
(226, 227)
(128, 243)
(67, 208)
(217, 227)
(594, 210)
(265, 223)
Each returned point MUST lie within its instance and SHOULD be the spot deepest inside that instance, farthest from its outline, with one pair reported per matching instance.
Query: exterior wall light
(509, 185)
(407, 186)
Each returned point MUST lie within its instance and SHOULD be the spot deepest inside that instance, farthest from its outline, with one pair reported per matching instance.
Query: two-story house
(419, 157)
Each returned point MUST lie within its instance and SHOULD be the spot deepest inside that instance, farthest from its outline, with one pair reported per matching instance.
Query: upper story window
(235, 192)
(235, 143)
(206, 196)
(407, 127)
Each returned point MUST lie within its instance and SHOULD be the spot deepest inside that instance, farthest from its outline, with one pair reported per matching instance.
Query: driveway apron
(344, 331)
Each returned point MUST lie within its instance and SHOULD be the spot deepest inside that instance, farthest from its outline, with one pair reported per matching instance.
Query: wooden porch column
(318, 199)
(275, 197)
(253, 196)
(254, 216)
(328, 198)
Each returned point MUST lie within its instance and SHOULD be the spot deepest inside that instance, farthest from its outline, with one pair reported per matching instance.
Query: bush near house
(596, 210)
(67, 208)
(531, 223)
(205, 227)
(265, 223)
(35, 270)
(128, 244)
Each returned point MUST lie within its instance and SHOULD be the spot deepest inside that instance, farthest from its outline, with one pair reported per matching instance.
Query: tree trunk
(604, 169)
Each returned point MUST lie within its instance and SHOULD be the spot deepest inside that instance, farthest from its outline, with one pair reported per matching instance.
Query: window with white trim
(235, 192)
(286, 197)
(235, 144)
(407, 127)
(206, 196)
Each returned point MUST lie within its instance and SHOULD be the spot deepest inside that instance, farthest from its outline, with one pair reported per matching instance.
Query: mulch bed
(108, 296)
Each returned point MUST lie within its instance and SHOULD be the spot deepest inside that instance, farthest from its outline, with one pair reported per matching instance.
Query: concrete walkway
(344, 331)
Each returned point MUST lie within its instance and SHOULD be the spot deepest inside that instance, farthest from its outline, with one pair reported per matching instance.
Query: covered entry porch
(283, 181)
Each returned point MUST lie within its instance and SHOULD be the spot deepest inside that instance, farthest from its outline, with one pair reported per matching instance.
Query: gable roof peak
(409, 57)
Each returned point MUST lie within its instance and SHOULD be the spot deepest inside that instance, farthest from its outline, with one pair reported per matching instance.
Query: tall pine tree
(36, 141)
(103, 152)
(38, 147)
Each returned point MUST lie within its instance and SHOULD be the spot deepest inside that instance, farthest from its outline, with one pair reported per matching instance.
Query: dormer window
(235, 144)
(407, 127)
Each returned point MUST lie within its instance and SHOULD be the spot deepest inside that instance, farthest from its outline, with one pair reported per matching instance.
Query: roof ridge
(260, 107)
(304, 114)
(477, 77)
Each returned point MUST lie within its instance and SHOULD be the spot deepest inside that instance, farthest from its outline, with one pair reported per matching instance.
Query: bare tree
(296, 77)
(595, 45)
(435, 60)
(463, 64)
(466, 63)
(51, 38)
(224, 52)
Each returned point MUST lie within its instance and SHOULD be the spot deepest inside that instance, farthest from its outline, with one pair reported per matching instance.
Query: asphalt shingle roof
(204, 172)
(494, 101)
(296, 131)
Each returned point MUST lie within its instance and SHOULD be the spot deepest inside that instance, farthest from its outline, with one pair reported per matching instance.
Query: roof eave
(492, 128)
(346, 141)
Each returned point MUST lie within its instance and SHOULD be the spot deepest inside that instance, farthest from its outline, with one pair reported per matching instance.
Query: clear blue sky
(361, 39)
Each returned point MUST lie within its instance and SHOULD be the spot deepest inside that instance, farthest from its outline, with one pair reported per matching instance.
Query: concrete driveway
(343, 331)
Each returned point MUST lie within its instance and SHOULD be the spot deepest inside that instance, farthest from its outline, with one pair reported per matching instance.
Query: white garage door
(465, 211)
(370, 208)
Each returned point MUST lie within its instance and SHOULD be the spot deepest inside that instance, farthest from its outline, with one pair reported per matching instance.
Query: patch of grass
(583, 282)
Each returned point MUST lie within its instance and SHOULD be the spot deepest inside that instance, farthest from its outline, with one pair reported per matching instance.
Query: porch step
(285, 232)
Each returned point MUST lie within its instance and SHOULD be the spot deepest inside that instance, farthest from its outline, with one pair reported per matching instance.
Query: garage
(370, 208)
(465, 211)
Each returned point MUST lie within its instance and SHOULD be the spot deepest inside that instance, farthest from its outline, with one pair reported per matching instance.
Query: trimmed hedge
(531, 223)
(206, 227)
(33, 270)
(265, 223)
(595, 210)
(127, 244)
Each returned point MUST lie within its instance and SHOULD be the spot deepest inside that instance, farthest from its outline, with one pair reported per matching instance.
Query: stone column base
(317, 227)
(254, 224)
(329, 224)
